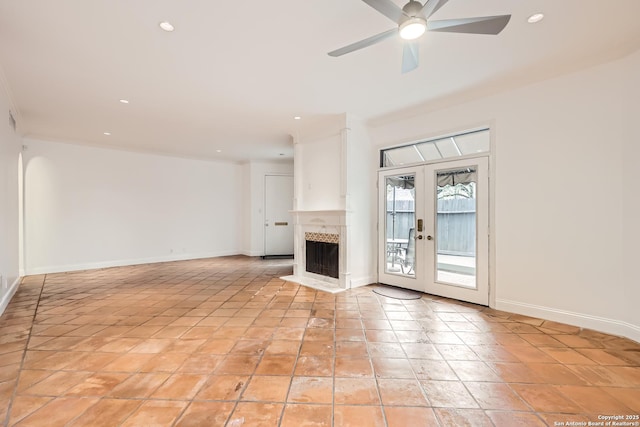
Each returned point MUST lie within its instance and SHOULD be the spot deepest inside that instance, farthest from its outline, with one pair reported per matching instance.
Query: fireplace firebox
(322, 258)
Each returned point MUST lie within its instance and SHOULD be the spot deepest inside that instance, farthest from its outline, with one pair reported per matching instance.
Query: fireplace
(320, 245)
(333, 159)
(322, 254)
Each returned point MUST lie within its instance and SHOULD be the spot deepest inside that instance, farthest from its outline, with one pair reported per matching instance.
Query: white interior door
(278, 226)
(434, 229)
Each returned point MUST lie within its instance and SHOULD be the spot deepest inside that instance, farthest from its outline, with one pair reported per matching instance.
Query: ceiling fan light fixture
(413, 28)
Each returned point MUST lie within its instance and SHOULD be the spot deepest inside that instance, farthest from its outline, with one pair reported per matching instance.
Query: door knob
(429, 238)
(419, 237)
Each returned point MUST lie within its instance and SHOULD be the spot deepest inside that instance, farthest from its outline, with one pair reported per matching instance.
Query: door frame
(489, 245)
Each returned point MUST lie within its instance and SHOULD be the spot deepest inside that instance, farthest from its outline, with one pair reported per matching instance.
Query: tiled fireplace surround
(330, 226)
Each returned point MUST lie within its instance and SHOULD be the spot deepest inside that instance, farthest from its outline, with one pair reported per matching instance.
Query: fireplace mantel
(336, 216)
(331, 221)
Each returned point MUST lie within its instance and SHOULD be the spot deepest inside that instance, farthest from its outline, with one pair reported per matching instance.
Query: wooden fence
(456, 224)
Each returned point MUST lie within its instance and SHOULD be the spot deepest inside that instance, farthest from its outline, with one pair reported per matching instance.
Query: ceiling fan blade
(410, 56)
(364, 43)
(480, 25)
(387, 8)
(432, 6)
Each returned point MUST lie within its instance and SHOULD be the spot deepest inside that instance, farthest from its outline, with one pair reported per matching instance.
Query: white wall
(320, 180)
(10, 146)
(253, 225)
(89, 207)
(631, 199)
(558, 206)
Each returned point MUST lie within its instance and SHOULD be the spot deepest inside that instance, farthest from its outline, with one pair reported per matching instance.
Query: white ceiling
(234, 73)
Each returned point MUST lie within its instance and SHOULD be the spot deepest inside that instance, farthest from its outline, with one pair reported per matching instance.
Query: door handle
(429, 238)
(419, 237)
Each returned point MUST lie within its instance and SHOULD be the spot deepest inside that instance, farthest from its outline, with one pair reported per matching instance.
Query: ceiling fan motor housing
(413, 23)
(412, 9)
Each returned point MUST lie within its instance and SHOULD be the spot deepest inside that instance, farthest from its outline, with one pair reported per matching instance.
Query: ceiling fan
(413, 21)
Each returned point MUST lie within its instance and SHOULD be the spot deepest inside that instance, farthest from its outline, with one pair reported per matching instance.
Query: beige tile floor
(224, 341)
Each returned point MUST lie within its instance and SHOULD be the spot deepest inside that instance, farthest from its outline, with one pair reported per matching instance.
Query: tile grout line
(244, 388)
(24, 355)
(422, 389)
(191, 401)
(60, 307)
(293, 371)
(333, 376)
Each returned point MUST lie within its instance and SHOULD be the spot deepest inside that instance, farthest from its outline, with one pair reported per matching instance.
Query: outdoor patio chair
(408, 254)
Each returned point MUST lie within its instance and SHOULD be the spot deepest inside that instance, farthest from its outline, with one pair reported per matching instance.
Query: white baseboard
(363, 281)
(602, 324)
(125, 262)
(252, 253)
(7, 297)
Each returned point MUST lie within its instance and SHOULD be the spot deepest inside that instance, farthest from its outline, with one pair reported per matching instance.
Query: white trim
(492, 266)
(126, 262)
(13, 106)
(252, 253)
(602, 324)
(363, 281)
(485, 125)
(135, 150)
(10, 292)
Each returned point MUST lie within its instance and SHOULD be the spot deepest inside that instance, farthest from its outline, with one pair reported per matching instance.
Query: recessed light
(166, 26)
(536, 17)
(297, 118)
(124, 101)
(107, 133)
(218, 151)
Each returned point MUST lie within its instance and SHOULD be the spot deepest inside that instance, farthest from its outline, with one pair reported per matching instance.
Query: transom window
(464, 144)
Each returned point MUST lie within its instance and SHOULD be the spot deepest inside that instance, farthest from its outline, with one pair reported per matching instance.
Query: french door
(434, 229)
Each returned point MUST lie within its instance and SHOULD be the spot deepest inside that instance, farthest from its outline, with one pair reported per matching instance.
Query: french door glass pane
(473, 143)
(403, 156)
(456, 227)
(400, 225)
(441, 148)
